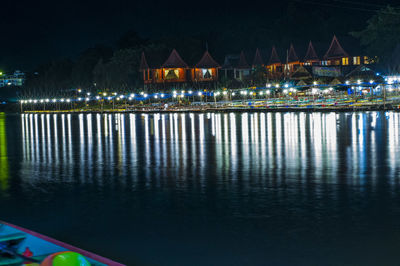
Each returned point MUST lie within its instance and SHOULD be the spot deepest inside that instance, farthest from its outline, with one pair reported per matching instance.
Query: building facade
(15, 79)
(336, 63)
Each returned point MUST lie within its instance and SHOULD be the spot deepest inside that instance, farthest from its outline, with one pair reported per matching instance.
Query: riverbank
(359, 108)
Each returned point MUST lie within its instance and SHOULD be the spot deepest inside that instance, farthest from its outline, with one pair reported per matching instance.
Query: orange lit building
(293, 61)
(206, 70)
(172, 71)
(311, 57)
(274, 65)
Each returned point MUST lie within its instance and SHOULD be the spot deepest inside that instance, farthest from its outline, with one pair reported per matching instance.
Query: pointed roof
(362, 71)
(274, 59)
(242, 64)
(174, 61)
(207, 61)
(143, 62)
(301, 73)
(292, 56)
(311, 55)
(335, 81)
(258, 59)
(230, 61)
(335, 50)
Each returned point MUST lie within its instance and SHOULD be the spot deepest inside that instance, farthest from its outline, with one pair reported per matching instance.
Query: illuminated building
(15, 79)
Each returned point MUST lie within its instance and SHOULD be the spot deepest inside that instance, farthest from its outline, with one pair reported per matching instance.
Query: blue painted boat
(20, 246)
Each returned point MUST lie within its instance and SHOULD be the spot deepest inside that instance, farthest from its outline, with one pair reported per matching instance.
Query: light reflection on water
(257, 144)
(276, 180)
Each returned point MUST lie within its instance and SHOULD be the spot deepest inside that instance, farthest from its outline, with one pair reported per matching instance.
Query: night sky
(36, 31)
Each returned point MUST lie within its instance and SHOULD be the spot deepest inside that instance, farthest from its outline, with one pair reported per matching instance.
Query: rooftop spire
(258, 59)
(242, 61)
(274, 59)
(292, 57)
(174, 61)
(311, 55)
(335, 50)
(143, 62)
(207, 61)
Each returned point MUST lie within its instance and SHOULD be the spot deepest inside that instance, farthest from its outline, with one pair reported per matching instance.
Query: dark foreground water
(208, 189)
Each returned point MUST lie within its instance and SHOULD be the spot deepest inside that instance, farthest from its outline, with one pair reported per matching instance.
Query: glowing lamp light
(285, 91)
(34, 101)
(109, 98)
(315, 83)
(145, 95)
(233, 94)
(371, 81)
(132, 95)
(79, 90)
(261, 93)
(62, 100)
(54, 100)
(97, 97)
(42, 101)
(286, 85)
(224, 93)
(162, 95)
(268, 92)
(190, 92)
(268, 85)
(359, 81)
(276, 85)
(104, 93)
(47, 100)
(156, 97)
(174, 96)
(347, 82)
(199, 93)
(68, 100)
(87, 99)
(88, 93)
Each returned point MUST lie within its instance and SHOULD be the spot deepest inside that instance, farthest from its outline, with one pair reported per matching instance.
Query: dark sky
(36, 31)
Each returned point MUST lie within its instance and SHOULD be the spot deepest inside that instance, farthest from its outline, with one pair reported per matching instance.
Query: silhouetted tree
(382, 34)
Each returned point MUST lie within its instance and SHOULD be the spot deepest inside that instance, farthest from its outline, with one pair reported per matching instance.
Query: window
(171, 74)
(356, 60)
(366, 60)
(345, 61)
(206, 73)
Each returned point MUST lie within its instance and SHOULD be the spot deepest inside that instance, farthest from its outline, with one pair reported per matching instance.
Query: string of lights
(269, 87)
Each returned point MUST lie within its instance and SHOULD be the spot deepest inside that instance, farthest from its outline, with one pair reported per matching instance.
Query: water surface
(208, 189)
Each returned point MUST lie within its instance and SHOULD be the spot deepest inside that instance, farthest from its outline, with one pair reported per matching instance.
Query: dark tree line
(109, 68)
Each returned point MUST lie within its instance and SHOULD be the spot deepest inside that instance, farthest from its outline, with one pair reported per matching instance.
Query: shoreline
(224, 110)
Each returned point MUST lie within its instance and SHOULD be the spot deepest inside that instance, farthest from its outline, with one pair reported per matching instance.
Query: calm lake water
(208, 189)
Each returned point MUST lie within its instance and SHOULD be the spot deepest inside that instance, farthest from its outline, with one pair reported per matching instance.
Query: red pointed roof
(242, 62)
(274, 59)
(207, 61)
(258, 59)
(335, 50)
(143, 62)
(174, 61)
(292, 56)
(311, 55)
